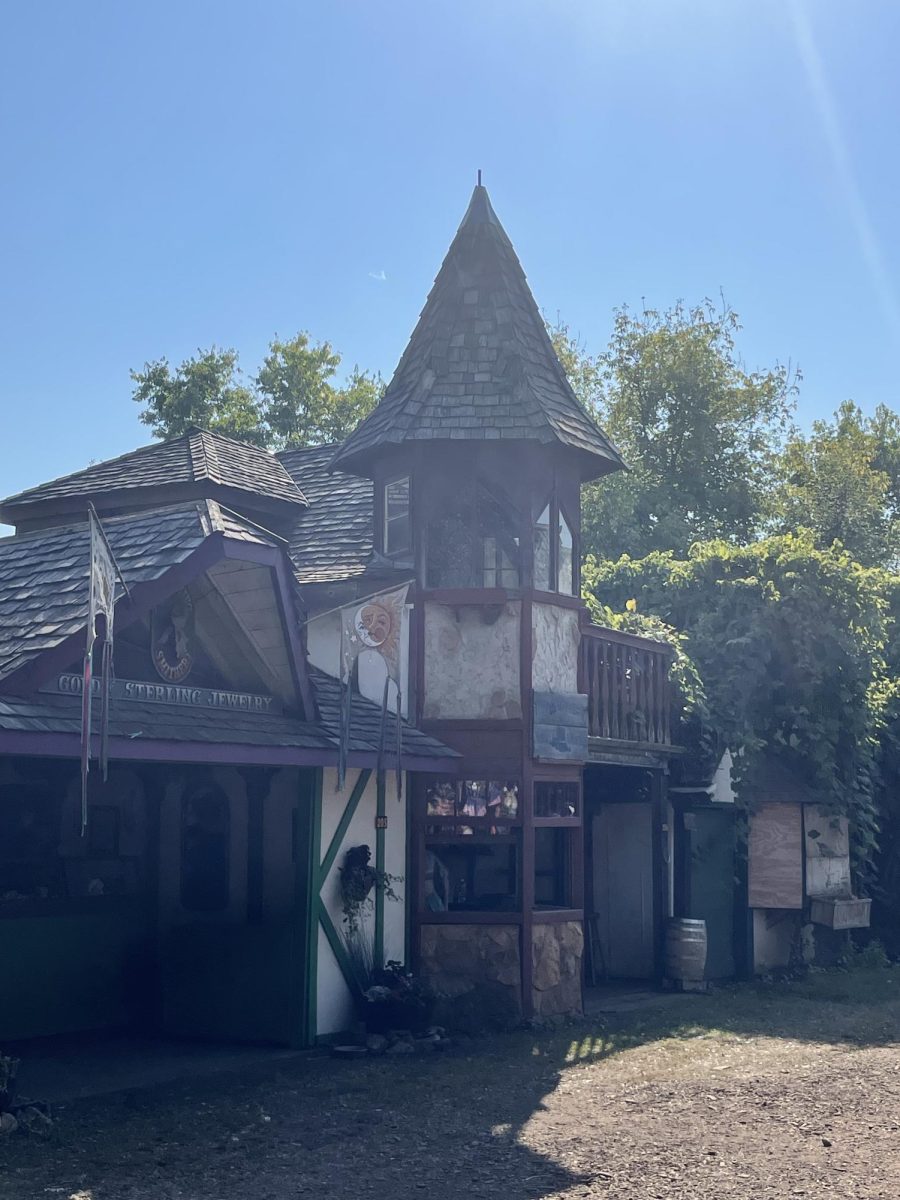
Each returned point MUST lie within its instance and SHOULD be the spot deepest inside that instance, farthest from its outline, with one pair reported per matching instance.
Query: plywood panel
(776, 857)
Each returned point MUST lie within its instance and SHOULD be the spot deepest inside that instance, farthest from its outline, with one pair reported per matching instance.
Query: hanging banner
(101, 599)
(376, 624)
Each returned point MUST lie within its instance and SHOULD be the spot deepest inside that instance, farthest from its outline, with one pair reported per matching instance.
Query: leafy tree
(699, 432)
(794, 646)
(291, 401)
(205, 390)
(843, 482)
(300, 404)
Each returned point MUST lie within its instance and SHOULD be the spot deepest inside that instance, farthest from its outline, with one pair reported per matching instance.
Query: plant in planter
(396, 1000)
(358, 880)
(389, 997)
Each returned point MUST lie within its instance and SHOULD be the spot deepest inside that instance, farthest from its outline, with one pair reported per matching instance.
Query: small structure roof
(479, 364)
(332, 539)
(197, 457)
(44, 575)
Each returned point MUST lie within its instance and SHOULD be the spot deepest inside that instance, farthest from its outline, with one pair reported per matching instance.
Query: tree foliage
(843, 482)
(206, 390)
(793, 644)
(293, 400)
(699, 432)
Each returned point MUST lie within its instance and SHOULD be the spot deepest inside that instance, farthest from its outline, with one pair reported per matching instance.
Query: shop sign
(171, 693)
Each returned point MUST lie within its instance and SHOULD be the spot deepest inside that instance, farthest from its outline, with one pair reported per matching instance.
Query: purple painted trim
(68, 745)
(299, 664)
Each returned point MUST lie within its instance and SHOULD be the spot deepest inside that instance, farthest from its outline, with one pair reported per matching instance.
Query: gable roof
(479, 364)
(195, 457)
(333, 538)
(44, 575)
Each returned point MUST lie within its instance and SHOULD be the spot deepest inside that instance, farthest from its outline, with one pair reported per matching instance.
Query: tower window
(565, 572)
(397, 537)
(554, 552)
(542, 551)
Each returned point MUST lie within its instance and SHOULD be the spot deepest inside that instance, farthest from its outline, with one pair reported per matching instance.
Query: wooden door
(622, 866)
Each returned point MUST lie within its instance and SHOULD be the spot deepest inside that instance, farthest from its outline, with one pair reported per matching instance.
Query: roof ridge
(103, 462)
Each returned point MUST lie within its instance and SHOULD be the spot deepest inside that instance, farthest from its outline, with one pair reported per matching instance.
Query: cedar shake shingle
(480, 351)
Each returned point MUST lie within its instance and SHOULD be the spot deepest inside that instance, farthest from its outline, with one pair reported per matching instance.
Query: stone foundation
(475, 971)
(556, 983)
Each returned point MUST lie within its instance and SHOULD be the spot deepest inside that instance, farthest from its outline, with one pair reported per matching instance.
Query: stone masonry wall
(475, 972)
(556, 984)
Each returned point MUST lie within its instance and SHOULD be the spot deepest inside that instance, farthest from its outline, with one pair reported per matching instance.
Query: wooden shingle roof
(197, 457)
(44, 575)
(333, 538)
(479, 364)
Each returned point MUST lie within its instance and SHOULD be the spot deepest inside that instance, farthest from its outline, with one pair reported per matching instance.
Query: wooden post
(380, 838)
(307, 833)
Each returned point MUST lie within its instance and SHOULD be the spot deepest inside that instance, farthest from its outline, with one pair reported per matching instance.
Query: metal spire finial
(479, 176)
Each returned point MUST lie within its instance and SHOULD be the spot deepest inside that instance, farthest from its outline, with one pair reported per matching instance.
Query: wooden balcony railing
(627, 682)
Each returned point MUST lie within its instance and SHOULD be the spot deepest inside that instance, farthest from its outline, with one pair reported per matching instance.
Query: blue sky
(178, 174)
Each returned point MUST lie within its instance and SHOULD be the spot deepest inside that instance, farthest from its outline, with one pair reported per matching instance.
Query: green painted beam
(339, 950)
(380, 839)
(311, 913)
(343, 825)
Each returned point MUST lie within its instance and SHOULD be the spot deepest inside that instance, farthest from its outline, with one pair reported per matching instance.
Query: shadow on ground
(398, 1127)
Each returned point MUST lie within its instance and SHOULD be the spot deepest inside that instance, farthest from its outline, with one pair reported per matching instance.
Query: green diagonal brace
(339, 950)
(343, 826)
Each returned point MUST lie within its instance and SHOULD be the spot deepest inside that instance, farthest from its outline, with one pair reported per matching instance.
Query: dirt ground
(754, 1092)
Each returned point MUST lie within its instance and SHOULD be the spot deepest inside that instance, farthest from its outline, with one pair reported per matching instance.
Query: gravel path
(752, 1094)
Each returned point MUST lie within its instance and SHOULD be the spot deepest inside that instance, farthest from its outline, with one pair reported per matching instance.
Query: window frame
(385, 520)
(573, 830)
(558, 512)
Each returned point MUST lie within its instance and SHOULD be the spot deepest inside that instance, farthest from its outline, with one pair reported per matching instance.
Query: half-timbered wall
(348, 819)
(472, 655)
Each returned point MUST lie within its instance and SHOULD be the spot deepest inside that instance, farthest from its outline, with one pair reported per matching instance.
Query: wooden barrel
(685, 949)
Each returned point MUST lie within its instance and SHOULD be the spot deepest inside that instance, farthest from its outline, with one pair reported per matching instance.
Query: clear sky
(186, 172)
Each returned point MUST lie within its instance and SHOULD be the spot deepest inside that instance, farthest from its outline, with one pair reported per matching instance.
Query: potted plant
(397, 1000)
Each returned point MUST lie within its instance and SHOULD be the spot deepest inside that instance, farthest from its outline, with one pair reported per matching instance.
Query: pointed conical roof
(479, 364)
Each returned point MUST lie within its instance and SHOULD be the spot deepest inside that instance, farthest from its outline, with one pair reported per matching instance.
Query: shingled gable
(44, 583)
(197, 464)
(480, 364)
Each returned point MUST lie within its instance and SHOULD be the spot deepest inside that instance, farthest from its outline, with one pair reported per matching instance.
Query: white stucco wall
(472, 662)
(774, 931)
(333, 1000)
(554, 648)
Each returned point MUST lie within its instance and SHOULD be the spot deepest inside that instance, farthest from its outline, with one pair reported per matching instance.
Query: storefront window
(558, 800)
(472, 798)
(552, 867)
(472, 845)
(474, 873)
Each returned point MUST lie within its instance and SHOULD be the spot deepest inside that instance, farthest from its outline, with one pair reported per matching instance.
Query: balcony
(627, 682)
